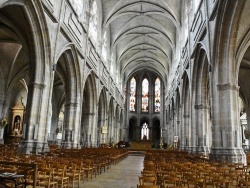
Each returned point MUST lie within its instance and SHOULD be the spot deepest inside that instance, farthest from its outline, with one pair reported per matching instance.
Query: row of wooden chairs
(165, 172)
(65, 167)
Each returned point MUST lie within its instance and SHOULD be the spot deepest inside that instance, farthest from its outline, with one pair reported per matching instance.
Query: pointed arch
(101, 116)
(186, 129)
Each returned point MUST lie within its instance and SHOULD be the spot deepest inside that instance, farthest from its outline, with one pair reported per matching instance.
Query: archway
(66, 91)
(156, 132)
(132, 129)
(102, 119)
(201, 123)
(186, 128)
(88, 112)
(111, 121)
(23, 50)
(145, 132)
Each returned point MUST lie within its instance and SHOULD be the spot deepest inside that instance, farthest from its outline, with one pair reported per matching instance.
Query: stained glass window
(157, 106)
(145, 95)
(132, 95)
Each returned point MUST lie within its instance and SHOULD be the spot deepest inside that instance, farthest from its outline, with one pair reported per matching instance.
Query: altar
(141, 145)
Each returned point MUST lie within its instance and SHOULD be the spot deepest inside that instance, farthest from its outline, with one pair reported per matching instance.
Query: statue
(246, 133)
(112, 143)
(17, 124)
(4, 122)
(161, 143)
(104, 129)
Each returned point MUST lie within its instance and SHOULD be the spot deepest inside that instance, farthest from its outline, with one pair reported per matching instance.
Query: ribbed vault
(143, 33)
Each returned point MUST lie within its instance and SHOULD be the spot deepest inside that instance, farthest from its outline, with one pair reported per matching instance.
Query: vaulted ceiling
(143, 33)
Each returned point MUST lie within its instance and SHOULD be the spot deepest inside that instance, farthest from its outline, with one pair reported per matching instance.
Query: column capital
(90, 114)
(73, 104)
(186, 116)
(201, 106)
(36, 85)
(228, 86)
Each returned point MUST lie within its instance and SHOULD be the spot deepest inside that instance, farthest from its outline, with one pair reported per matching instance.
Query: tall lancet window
(144, 132)
(93, 23)
(132, 95)
(144, 95)
(157, 106)
(104, 48)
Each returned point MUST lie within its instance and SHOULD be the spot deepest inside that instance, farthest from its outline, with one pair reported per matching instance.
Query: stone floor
(122, 175)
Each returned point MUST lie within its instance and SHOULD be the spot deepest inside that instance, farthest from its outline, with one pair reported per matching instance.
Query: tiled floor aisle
(122, 175)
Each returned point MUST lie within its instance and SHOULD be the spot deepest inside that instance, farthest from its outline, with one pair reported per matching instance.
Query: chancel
(103, 82)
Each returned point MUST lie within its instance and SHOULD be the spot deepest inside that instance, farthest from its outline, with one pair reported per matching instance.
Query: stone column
(35, 125)
(226, 134)
(248, 118)
(69, 125)
(178, 124)
(202, 128)
(185, 137)
(93, 130)
(1, 135)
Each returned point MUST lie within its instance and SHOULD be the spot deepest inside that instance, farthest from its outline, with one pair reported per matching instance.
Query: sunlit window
(196, 4)
(132, 95)
(125, 96)
(104, 47)
(112, 61)
(93, 22)
(144, 132)
(157, 106)
(145, 95)
(77, 6)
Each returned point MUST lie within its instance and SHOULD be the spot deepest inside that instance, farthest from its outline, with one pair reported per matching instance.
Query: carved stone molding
(228, 86)
(186, 116)
(89, 114)
(37, 86)
(201, 106)
(73, 104)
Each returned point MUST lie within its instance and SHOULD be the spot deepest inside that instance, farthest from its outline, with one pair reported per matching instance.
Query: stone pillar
(226, 134)
(118, 132)
(185, 137)
(138, 131)
(87, 129)
(171, 131)
(248, 118)
(125, 133)
(178, 124)
(201, 124)
(1, 135)
(35, 125)
(69, 125)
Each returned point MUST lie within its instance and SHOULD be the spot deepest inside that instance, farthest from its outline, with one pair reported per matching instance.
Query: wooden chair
(244, 184)
(45, 178)
(148, 186)
(196, 182)
(59, 175)
(88, 168)
(147, 180)
(171, 181)
(73, 175)
(148, 173)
